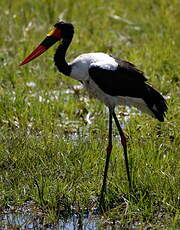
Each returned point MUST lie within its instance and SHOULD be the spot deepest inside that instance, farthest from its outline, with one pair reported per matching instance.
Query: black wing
(126, 80)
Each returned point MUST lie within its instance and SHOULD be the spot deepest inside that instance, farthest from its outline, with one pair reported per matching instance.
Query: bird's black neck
(59, 57)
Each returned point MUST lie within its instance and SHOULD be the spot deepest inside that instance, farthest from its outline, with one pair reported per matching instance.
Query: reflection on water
(22, 221)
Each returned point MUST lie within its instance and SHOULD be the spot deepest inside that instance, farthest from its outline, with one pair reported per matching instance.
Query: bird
(112, 80)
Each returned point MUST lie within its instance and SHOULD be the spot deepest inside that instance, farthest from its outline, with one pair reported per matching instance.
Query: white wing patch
(104, 61)
(105, 65)
(80, 66)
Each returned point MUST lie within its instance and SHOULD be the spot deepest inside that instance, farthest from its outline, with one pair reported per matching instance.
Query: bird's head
(62, 30)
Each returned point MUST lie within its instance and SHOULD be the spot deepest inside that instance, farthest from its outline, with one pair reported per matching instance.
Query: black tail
(156, 103)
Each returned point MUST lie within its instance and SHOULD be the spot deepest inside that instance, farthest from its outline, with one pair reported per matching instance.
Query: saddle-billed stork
(113, 81)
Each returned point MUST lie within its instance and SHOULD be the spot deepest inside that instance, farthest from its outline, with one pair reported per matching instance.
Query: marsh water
(22, 221)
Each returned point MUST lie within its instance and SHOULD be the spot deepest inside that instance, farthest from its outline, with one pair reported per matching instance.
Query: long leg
(124, 144)
(109, 149)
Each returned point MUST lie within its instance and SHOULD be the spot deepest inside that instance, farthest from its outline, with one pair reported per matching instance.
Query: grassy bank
(53, 136)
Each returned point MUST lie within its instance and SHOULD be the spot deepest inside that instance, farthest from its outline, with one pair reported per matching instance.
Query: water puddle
(30, 216)
(20, 221)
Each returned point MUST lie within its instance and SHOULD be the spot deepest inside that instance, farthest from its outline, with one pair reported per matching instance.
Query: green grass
(48, 151)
